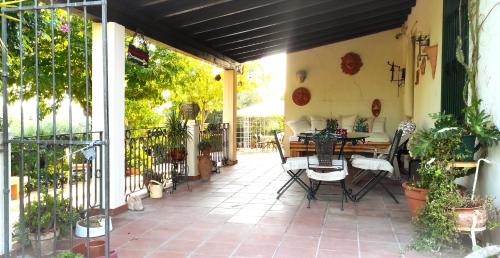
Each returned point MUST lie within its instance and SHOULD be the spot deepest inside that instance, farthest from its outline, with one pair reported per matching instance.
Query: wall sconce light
(398, 74)
(422, 41)
(301, 75)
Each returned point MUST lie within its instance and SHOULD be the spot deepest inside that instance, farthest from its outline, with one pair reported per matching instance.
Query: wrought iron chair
(380, 167)
(294, 167)
(324, 168)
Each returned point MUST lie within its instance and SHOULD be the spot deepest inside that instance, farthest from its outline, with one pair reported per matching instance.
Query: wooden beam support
(231, 8)
(175, 8)
(317, 43)
(323, 30)
(120, 13)
(305, 16)
(274, 32)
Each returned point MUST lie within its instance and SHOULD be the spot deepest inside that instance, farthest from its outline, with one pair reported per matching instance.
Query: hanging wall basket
(138, 53)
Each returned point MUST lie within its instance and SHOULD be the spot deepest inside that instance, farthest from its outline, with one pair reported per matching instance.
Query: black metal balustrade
(218, 135)
(148, 157)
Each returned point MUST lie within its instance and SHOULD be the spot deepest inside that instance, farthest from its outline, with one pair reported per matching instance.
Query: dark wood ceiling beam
(120, 12)
(256, 14)
(318, 35)
(310, 15)
(218, 12)
(318, 42)
(174, 8)
(300, 32)
(283, 30)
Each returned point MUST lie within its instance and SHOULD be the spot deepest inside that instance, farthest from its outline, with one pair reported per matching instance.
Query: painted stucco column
(116, 100)
(192, 148)
(4, 176)
(229, 110)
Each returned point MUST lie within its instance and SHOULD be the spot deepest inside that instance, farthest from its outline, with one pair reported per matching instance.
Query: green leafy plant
(177, 130)
(204, 144)
(68, 254)
(479, 124)
(59, 219)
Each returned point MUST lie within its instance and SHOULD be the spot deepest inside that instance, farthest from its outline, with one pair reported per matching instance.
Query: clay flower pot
(96, 248)
(415, 197)
(205, 167)
(466, 217)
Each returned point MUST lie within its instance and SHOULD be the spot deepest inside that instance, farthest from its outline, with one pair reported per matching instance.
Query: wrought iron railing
(148, 157)
(218, 135)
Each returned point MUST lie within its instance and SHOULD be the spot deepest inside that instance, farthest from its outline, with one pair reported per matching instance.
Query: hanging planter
(139, 53)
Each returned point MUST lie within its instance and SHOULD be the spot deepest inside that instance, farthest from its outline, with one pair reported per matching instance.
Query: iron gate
(63, 183)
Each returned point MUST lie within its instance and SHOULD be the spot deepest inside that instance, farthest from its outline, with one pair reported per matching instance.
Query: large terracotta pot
(415, 197)
(205, 167)
(465, 218)
(96, 248)
(44, 244)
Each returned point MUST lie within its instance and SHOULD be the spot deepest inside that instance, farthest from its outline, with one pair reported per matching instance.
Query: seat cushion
(327, 176)
(299, 126)
(378, 137)
(295, 163)
(372, 164)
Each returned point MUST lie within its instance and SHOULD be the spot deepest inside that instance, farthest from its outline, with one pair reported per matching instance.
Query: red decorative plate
(301, 96)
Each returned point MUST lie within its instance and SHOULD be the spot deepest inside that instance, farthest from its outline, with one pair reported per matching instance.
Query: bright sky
(275, 65)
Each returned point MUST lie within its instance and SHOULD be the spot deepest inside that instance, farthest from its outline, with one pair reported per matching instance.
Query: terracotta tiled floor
(237, 214)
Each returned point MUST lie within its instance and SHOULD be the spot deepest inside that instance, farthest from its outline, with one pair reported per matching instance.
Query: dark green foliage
(63, 215)
(69, 255)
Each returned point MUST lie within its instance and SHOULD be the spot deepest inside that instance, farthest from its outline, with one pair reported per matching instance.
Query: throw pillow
(347, 122)
(299, 126)
(378, 125)
(361, 125)
(318, 123)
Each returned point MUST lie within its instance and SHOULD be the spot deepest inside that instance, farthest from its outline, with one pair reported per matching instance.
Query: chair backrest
(279, 147)
(394, 146)
(324, 145)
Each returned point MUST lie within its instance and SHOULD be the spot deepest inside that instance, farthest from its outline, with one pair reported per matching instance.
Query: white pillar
(3, 176)
(229, 111)
(192, 148)
(116, 100)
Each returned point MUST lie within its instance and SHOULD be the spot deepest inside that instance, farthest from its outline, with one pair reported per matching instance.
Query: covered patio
(237, 214)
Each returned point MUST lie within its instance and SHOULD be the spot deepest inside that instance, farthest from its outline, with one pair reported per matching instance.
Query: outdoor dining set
(324, 163)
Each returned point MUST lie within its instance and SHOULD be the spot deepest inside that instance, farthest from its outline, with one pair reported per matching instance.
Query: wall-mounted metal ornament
(422, 41)
(138, 50)
(351, 63)
(398, 74)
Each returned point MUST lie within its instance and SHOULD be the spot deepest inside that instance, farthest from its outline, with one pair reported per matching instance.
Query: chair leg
(310, 195)
(343, 195)
(389, 192)
(358, 176)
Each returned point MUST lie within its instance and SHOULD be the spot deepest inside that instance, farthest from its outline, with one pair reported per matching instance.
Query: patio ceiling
(227, 32)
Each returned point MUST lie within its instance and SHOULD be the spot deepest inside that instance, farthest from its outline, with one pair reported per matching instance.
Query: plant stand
(476, 214)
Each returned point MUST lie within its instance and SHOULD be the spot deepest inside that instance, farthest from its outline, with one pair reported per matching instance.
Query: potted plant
(93, 224)
(64, 217)
(177, 135)
(433, 147)
(205, 160)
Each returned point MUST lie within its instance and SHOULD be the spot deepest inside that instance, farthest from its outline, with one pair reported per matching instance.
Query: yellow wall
(334, 93)
(426, 18)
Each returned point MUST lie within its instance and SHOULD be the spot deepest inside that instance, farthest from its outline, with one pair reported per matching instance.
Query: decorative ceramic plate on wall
(301, 96)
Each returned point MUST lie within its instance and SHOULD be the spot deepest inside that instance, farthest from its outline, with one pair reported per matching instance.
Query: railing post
(4, 177)
(192, 148)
